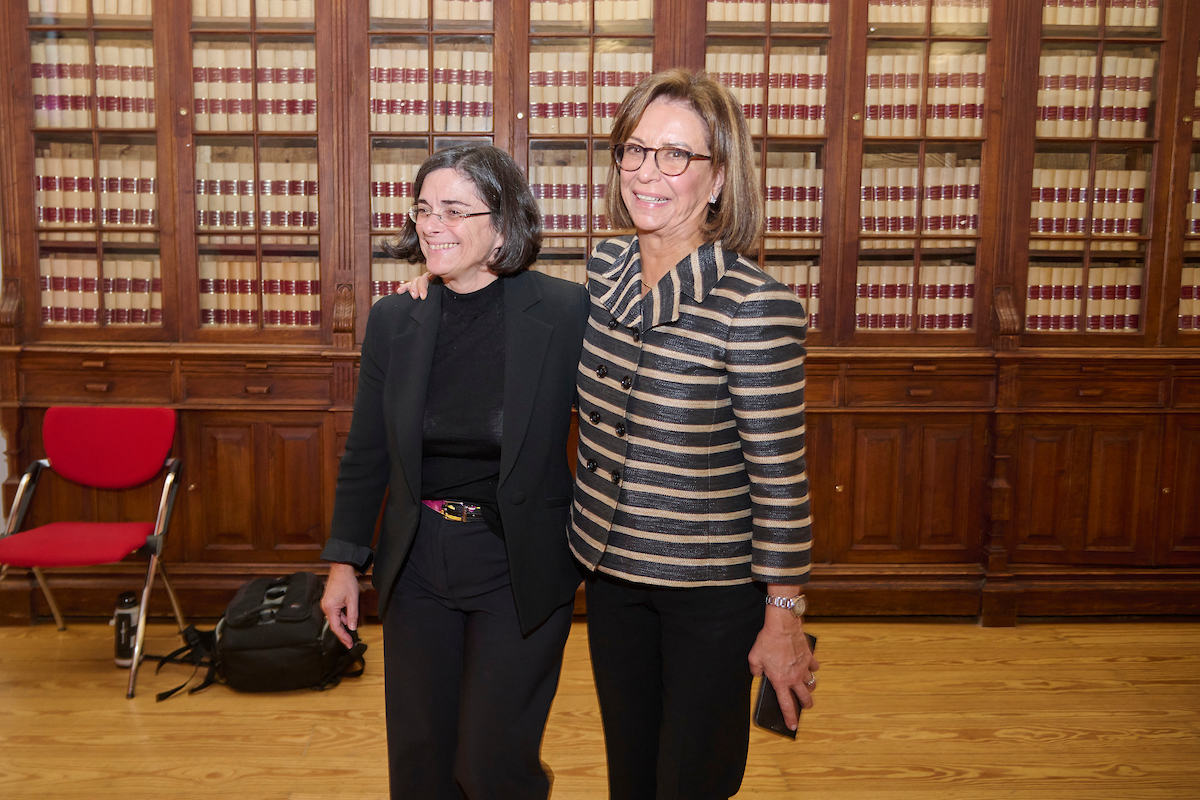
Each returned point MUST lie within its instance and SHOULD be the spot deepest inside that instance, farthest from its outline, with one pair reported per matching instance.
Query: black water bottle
(125, 624)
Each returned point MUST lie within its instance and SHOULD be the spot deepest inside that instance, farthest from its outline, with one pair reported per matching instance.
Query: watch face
(800, 606)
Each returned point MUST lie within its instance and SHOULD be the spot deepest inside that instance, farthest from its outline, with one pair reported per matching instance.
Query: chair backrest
(109, 448)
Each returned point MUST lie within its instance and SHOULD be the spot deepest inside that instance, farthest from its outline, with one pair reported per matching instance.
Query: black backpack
(273, 638)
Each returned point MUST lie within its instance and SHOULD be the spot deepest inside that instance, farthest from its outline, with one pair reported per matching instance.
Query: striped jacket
(691, 424)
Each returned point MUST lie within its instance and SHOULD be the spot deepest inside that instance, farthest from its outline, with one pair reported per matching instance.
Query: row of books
(287, 88)
(391, 193)
(102, 10)
(575, 12)
(1067, 96)
(388, 273)
(62, 83)
(614, 75)
(64, 185)
(944, 294)
(793, 199)
(741, 71)
(1086, 13)
(961, 12)
(74, 292)
(955, 95)
(128, 191)
(803, 278)
(893, 94)
(950, 200)
(1054, 299)
(289, 11)
(558, 91)
(903, 11)
(461, 93)
(1189, 299)
(562, 195)
(223, 85)
(400, 88)
(230, 292)
(62, 93)
(419, 10)
(796, 89)
(287, 195)
(1060, 202)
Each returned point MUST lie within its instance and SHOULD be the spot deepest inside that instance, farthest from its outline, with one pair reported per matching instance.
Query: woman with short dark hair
(461, 421)
(691, 499)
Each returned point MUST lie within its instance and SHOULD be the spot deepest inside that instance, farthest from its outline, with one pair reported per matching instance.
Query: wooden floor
(913, 710)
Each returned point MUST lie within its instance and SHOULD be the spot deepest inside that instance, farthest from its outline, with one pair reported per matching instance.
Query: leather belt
(456, 510)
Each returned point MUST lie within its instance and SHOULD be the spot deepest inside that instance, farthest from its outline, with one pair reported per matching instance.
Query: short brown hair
(736, 218)
(501, 185)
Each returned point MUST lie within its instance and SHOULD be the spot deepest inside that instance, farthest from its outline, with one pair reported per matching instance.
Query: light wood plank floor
(906, 709)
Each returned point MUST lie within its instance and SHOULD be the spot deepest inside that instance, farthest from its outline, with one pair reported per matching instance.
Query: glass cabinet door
(95, 171)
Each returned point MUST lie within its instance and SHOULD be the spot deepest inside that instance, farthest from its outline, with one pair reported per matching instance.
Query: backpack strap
(352, 664)
(200, 650)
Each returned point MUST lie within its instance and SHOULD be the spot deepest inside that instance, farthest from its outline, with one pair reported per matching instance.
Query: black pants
(674, 686)
(467, 694)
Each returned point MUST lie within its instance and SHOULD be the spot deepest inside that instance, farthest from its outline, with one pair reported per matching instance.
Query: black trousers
(467, 694)
(674, 686)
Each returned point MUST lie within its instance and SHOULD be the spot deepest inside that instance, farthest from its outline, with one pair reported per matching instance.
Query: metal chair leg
(140, 636)
(58, 617)
(162, 569)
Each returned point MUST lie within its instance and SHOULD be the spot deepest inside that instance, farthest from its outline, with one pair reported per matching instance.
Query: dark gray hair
(500, 185)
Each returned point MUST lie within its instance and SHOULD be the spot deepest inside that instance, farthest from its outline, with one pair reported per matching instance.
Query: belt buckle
(454, 511)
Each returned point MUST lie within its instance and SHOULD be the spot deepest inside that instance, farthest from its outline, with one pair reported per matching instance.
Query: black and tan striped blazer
(691, 424)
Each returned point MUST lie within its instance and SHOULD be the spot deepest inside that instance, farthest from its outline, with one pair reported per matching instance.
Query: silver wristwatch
(797, 605)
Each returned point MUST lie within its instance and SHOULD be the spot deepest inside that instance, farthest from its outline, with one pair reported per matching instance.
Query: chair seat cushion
(74, 544)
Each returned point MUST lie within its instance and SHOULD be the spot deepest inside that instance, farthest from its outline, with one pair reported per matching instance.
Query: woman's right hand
(340, 602)
(417, 288)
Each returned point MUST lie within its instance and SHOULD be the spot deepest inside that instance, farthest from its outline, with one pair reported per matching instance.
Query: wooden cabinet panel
(262, 388)
(916, 390)
(86, 379)
(1091, 392)
(293, 494)
(877, 486)
(89, 388)
(1186, 392)
(1179, 529)
(1086, 489)
(913, 488)
(222, 487)
(259, 491)
(949, 513)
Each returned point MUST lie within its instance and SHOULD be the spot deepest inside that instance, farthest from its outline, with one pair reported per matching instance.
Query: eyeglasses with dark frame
(451, 217)
(671, 161)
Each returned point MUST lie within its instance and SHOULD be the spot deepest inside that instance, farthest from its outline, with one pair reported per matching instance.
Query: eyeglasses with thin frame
(671, 161)
(451, 217)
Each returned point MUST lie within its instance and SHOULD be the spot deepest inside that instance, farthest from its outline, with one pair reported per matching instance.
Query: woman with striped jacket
(691, 505)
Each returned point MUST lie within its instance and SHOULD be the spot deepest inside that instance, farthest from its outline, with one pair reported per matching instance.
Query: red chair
(100, 448)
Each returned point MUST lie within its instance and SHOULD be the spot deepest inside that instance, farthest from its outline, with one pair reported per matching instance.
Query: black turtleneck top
(464, 407)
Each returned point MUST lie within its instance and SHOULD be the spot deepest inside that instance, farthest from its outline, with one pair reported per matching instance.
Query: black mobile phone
(767, 713)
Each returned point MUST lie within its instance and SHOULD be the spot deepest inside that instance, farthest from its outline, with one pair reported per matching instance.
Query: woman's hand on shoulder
(417, 288)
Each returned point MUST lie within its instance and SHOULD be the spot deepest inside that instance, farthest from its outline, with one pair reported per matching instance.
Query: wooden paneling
(1086, 489)
(1179, 540)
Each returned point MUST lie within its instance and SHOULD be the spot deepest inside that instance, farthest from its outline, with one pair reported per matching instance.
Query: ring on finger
(811, 682)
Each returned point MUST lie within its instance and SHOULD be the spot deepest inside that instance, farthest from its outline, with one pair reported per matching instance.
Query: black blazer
(544, 319)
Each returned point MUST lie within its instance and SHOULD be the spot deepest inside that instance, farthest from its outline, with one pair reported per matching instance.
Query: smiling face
(458, 255)
(671, 208)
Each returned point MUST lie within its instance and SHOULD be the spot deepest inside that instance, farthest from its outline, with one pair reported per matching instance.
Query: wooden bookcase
(990, 207)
